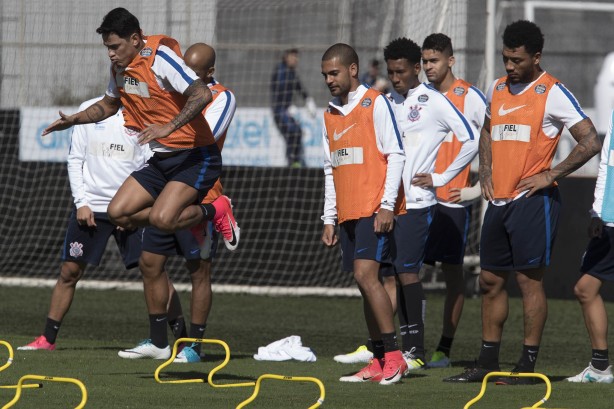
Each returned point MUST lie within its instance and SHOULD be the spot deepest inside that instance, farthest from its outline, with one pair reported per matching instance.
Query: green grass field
(102, 322)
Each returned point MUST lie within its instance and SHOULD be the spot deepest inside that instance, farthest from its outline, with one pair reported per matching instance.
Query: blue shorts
(84, 244)
(411, 232)
(448, 234)
(520, 235)
(197, 167)
(182, 243)
(360, 242)
(598, 260)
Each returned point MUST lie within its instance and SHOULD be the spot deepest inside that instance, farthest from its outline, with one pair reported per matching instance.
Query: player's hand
(595, 228)
(85, 217)
(423, 180)
(154, 131)
(535, 183)
(310, 105)
(455, 195)
(65, 122)
(329, 236)
(384, 221)
(488, 192)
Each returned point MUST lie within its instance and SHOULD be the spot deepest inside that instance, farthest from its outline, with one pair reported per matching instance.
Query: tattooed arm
(102, 109)
(199, 96)
(485, 169)
(588, 146)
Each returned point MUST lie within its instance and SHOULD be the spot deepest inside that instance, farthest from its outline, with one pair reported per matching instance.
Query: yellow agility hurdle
(8, 363)
(21, 386)
(318, 403)
(211, 374)
(514, 375)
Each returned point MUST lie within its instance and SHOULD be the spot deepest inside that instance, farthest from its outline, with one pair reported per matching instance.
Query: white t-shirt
(424, 118)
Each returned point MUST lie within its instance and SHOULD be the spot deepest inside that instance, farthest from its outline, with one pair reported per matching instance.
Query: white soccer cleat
(362, 354)
(146, 349)
(592, 375)
(413, 363)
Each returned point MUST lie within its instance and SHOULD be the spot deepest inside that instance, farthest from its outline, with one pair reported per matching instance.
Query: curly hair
(524, 33)
(403, 48)
(438, 42)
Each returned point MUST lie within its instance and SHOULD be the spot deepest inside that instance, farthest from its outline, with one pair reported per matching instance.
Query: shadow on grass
(171, 375)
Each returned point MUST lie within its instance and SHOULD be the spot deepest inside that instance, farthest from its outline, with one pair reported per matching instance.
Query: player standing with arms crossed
(362, 167)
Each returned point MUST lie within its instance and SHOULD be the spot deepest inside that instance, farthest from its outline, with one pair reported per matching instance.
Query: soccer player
(451, 217)
(598, 266)
(425, 117)
(526, 112)
(163, 100)
(101, 157)
(284, 84)
(158, 245)
(363, 165)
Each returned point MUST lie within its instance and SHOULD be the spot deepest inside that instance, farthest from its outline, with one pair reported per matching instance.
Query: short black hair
(524, 33)
(121, 22)
(346, 54)
(438, 42)
(403, 48)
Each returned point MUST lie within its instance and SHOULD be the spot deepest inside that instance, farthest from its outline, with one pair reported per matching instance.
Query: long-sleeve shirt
(284, 83)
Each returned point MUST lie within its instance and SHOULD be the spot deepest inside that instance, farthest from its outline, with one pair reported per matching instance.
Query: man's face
(121, 51)
(519, 64)
(292, 60)
(436, 65)
(338, 77)
(402, 74)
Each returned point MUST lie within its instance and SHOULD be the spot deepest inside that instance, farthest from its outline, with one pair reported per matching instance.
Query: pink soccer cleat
(224, 222)
(39, 343)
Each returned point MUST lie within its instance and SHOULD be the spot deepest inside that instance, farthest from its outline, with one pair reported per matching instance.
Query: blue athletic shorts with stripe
(197, 167)
(598, 260)
(519, 235)
(411, 231)
(182, 243)
(448, 234)
(83, 244)
(360, 242)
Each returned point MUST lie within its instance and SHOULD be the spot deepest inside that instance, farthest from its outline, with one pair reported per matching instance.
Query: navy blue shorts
(182, 243)
(598, 260)
(360, 242)
(197, 167)
(83, 244)
(520, 235)
(411, 232)
(448, 234)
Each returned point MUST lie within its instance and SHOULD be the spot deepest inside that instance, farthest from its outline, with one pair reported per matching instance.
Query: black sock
(369, 344)
(528, 358)
(178, 327)
(489, 355)
(390, 342)
(157, 330)
(378, 349)
(445, 345)
(51, 330)
(208, 211)
(415, 302)
(600, 359)
(197, 331)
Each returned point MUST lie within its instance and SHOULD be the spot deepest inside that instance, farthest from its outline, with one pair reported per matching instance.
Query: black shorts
(198, 167)
(182, 243)
(519, 235)
(84, 244)
(411, 231)
(448, 234)
(360, 242)
(598, 260)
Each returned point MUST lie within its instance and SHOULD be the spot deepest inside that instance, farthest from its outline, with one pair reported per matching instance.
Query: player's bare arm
(199, 97)
(485, 168)
(102, 109)
(329, 237)
(589, 145)
(384, 221)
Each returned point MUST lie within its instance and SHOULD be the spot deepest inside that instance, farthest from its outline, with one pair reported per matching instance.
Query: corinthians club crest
(414, 113)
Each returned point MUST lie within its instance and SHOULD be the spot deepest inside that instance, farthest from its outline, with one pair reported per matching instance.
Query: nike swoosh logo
(194, 251)
(337, 136)
(367, 378)
(393, 376)
(503, 111)
(233, 241)
(160, 319)
(533, 260)
(361, 250)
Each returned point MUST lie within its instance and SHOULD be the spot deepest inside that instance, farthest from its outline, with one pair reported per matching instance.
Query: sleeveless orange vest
(519, 146)
(451, 146)
(146, 103)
